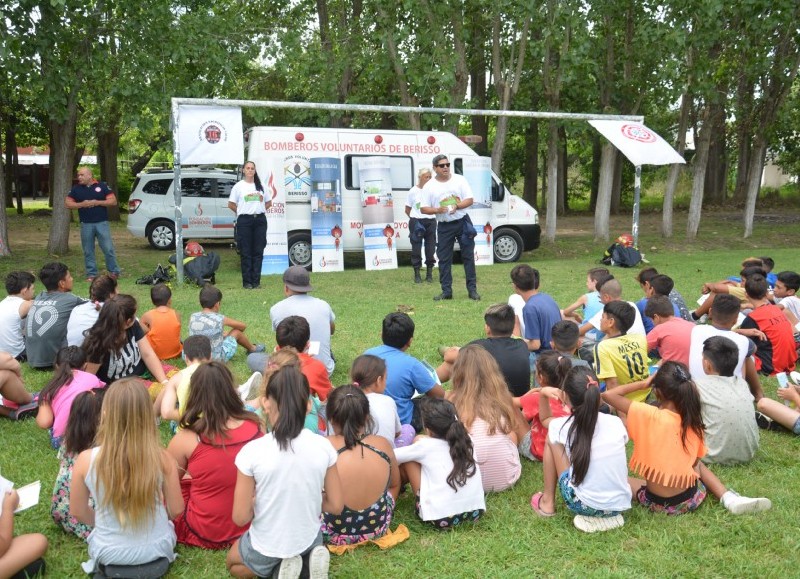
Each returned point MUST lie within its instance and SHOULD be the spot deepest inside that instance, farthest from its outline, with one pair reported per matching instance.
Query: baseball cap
(296, 278)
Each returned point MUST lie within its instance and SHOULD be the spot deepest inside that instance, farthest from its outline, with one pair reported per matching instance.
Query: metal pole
(176, 191)
(398, 109)
(637, 190)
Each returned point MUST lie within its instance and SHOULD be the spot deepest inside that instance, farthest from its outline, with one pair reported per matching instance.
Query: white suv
(204, 198)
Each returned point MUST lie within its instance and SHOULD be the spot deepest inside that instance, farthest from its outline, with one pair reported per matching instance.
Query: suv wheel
(161, 234)
(300, 249)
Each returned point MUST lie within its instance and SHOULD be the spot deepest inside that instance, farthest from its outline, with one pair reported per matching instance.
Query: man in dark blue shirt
(92, 200)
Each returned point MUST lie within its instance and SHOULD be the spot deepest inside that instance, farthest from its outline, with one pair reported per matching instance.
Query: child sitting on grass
(55, 399)
(79, 435)
(196, 350)
(162, 324)
(133, 481)
(367, 468)
(787, 417)
(442, 470)
(210, 323)
(671, 336)
(620, 358)
(590, 301)
(551, 369)
(731, 432)
(585, 457)
(668, 443)
(368, 373)
(13, 311)
(21, 555)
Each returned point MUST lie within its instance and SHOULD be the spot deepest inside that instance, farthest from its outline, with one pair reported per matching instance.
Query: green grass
(510, 541)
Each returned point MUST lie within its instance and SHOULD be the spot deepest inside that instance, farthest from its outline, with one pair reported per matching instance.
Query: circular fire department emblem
(638, 133)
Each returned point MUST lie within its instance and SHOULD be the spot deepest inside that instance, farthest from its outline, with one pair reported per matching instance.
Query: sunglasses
(443, 165)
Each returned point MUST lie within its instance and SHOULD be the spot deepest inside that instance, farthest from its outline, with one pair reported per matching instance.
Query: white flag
(641, 146)
(210, 135)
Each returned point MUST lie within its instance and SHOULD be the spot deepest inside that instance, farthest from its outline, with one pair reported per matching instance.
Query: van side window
(458, 166)
(157, 186)
(197, 187)
(401, 168)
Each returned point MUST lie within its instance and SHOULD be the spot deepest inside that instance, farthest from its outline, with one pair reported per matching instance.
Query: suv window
(157, 187)
(197, 187)
(224, 187)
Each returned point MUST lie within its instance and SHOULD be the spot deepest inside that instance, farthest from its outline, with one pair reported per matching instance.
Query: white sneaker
(245, 389)
(318, 562)
(739, 505)
(291, 568)
(597, 524)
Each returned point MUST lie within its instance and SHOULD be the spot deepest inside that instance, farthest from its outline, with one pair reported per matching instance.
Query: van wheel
(161, 234)
(300, 249)
(508, 246)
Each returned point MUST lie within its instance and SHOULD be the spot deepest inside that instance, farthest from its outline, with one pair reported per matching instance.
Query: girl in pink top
(55, 400)
(485, 407)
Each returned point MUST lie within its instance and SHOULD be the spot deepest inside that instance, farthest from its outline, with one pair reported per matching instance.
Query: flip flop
(535, 500)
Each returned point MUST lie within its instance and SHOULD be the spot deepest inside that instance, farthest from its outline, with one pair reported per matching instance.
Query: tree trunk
(605, 185)
(62, 148)
(716, 171)
(616, 189)
(544, 180)
(675, 169)
(742, 163)
(8, 177)
(597, 151)
(152, 147)
(4, 192)
(698, 183)
(530, 187)
(107, 154)
(477, 88)
(563, 204)
(754, 171)
(552, 180)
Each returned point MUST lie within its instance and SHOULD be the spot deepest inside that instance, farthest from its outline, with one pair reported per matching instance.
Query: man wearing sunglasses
(447, 196)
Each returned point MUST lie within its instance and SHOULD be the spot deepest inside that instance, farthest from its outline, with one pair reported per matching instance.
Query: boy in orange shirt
(162, 324)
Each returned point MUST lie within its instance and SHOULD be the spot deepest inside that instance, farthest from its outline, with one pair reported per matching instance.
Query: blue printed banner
(478, 173)
(326, 214)
(377, 211)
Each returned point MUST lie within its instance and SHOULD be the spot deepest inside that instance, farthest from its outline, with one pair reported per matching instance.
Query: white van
(515, 223)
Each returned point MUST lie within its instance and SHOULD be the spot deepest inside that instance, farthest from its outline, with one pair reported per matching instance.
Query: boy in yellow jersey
(620, 358)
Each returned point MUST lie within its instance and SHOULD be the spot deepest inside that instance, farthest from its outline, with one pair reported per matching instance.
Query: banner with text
(210, 135)
(377, 212)
(478, 173)
(276, 259)
(326, 214)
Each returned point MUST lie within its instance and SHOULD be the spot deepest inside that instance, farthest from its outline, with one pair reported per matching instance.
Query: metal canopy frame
(176, 152)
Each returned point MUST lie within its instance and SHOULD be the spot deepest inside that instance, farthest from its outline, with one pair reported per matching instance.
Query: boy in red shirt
(671, 335)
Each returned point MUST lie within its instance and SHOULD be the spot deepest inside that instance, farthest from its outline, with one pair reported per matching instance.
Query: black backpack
(623, 256)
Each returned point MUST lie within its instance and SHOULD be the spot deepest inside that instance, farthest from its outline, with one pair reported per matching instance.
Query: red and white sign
(210, 135)
(640, 145)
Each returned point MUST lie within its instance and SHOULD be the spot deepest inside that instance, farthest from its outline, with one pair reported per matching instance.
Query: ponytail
(553, 367)
(439, 417)
(580, 385)
(288, 390)
(673, 384)
(257, 181)
(348, 411)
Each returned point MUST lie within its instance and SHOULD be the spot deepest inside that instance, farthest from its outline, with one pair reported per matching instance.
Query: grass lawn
(510, 541)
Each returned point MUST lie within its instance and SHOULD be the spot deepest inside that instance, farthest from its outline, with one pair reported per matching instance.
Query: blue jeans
(102, 232)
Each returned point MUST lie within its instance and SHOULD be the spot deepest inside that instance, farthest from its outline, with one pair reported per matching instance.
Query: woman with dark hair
(367, 468)
(250, 203)
(214, 428)
(116, 347)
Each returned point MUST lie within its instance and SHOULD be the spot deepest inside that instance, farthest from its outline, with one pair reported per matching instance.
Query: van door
(198, 200)
(223, 222)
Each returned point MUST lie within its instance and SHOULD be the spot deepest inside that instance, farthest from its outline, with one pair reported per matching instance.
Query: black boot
(429, 276)
(417, 278)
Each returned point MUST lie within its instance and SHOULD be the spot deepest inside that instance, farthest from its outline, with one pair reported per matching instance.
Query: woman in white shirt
(248, 200)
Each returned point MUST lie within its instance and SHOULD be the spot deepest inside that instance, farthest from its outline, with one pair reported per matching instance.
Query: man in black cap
(320, 317)
(447, 197)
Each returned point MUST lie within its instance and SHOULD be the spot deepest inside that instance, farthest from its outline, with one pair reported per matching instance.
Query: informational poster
(275, 259)
(326, 214)
(377, 211)
(210, 135)
(478, 173)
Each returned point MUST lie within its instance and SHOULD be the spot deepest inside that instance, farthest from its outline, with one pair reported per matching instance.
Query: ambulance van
(282, 156)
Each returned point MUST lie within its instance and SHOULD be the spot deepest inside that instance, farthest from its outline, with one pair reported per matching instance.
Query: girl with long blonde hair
(486, 409)
(133, 480)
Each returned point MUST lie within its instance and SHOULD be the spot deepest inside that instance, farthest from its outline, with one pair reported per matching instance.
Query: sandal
(535, 500)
